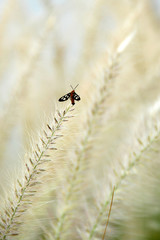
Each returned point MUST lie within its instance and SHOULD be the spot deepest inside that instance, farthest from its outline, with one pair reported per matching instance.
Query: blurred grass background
(45, 46)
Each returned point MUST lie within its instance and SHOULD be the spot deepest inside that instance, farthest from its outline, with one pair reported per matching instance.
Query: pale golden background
(46, 46)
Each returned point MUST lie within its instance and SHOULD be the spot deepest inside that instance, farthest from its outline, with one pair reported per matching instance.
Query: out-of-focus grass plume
(59, 163)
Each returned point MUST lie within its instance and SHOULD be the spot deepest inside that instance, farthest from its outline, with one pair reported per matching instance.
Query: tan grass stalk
(27, 186)
(133, 159)
(108, 215)
(79, 163)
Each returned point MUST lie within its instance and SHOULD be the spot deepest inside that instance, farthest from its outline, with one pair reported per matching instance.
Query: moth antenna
(71, 87)
(76, 86)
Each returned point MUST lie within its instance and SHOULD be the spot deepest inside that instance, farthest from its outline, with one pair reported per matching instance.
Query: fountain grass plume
(28, 185)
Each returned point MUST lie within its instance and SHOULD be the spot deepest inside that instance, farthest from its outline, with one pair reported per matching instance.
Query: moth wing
(76, 97)
(65, 97)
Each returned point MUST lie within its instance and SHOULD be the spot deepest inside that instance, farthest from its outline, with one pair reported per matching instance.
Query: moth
(72, 95)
